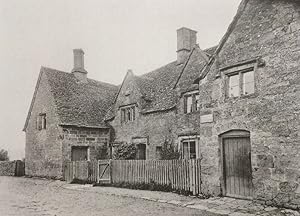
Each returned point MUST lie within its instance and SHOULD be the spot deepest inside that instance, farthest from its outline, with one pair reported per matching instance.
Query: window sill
(192, 113)
(248, 96)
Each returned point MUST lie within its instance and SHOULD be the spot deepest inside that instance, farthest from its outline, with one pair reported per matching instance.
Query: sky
(116, 35)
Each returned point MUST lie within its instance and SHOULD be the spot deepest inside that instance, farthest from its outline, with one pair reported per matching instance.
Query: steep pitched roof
(81, 104)
(197, 60)
(77, 103)
(158, 87)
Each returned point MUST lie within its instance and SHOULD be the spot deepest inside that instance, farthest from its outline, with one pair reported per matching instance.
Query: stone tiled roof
(90, 104)
(196, 63)
(157, 87)
(160, 87)
(77, 103)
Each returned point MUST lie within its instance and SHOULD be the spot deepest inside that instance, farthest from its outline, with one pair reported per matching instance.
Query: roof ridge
(225, 37)
(152, 71)
(185, 64)
(43, 68)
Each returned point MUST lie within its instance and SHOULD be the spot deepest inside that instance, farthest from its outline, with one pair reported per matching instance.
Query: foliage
(152, 186)
(102, 152)
(169, 150)
(3, 155)
(125, 151)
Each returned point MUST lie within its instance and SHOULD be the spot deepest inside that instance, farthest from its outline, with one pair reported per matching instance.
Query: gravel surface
(37, 197)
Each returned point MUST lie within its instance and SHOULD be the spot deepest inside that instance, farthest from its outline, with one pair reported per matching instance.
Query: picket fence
(179, 174)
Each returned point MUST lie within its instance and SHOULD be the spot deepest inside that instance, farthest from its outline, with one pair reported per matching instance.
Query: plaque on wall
(206, 118)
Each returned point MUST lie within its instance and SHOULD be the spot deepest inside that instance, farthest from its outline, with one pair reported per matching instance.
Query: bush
(169, 151)
(152, 186)
(125, 152)
(4, 155)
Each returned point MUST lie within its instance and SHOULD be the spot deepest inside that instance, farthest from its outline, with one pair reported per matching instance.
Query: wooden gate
(104, 176)
(237, 166)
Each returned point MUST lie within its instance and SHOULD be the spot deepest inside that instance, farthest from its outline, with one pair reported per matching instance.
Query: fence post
(110, 172)
(98, 171)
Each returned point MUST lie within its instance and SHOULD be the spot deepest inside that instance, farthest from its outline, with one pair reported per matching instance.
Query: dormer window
(41, 121)
(191, 102)
(128, 114)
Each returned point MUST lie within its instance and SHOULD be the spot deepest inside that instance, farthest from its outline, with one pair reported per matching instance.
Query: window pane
(192, 150)
(197, 102)
(234, 80)
(122, 115)
(248, 88)
(248, 77)
(189, 104)
(44, 121)
(233, 86)
(133, 113)
(248, 83)
(185, 150)
(128, 114)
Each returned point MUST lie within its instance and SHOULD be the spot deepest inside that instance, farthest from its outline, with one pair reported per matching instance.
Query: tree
(3, 155)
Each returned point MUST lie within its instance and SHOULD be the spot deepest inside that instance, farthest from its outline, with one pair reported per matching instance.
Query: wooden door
(237, 167)
(79, 153)
(141, 152)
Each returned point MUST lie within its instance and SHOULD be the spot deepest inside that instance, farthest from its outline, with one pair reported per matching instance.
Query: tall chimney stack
(186, 40)
(79, 72)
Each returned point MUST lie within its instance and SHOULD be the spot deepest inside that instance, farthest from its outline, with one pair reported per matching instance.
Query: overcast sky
(115, 34)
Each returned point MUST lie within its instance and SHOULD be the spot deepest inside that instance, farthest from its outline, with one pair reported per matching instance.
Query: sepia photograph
(150, 107)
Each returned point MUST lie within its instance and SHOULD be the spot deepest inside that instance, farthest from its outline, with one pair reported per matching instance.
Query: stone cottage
(250, 106)
(236, 106)
(66, 119)
(74, 118)
(162, 105)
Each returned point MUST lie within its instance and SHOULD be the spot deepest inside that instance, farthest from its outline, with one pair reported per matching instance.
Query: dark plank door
(141, 152)
(79, 153)
(237, 167)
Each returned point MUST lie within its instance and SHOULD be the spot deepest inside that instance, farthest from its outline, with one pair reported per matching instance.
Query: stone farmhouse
(72, 117)
(250, 90)
(236, 106)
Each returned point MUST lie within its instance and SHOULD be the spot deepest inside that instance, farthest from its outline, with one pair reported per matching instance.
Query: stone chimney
(79, 72)
(186, 40)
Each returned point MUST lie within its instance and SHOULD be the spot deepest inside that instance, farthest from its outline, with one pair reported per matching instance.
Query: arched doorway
(236, 162)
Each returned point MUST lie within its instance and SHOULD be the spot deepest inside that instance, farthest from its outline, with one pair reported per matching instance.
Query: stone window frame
(128, 113)
(41, 121)
(241, 68)
(189, 138)
(240, 74)
(195, 102)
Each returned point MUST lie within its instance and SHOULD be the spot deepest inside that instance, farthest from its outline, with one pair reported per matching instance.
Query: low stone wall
(12, 168)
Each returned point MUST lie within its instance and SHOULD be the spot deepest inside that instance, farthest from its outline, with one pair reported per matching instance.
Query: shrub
(125, 152)
(169, 151)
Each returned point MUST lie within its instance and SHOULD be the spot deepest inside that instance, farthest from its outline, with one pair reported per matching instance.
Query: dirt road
(36, 197)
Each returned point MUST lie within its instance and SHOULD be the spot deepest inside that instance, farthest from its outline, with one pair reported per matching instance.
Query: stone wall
(43, 151)
(156, 128)
(93, 138)
(12, 168)
(269, 30)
